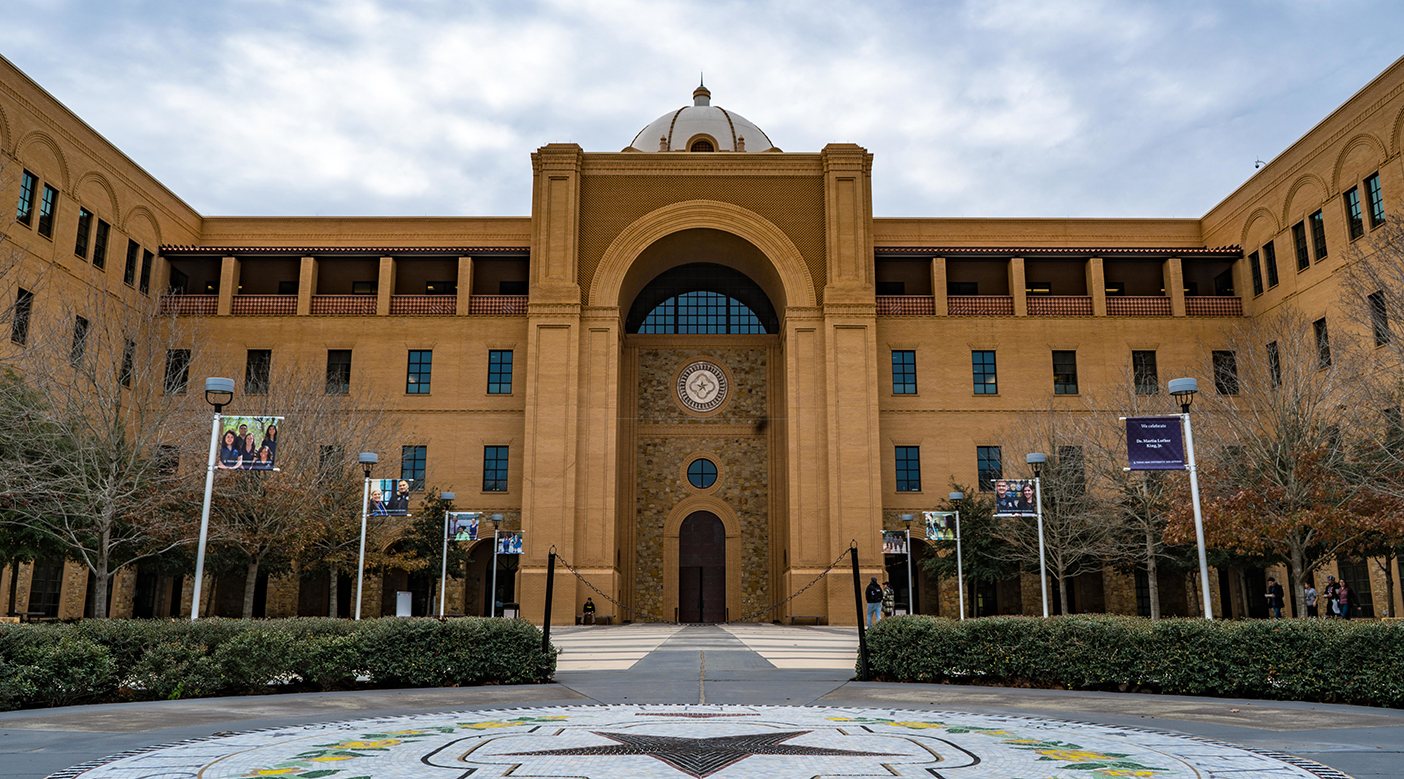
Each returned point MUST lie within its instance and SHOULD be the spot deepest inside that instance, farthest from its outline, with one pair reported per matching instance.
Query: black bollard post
(862, 631)
(550, 586)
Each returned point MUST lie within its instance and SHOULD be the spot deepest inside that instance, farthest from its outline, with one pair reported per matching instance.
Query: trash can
(511, 610)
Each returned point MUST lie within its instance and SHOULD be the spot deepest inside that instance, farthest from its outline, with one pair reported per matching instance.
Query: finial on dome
(701, 95)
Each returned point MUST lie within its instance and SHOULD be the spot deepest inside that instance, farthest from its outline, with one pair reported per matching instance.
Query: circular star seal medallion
(702, 387)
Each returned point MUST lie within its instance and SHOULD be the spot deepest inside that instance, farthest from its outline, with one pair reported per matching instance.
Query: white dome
(679, 130)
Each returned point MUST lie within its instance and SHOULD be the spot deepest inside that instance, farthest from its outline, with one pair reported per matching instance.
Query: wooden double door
(702, 569)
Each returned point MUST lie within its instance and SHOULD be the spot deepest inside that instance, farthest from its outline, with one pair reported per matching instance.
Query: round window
(702, 473)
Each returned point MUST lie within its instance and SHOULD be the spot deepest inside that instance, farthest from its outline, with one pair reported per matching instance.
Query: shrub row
(1357, 662)
(121, 660)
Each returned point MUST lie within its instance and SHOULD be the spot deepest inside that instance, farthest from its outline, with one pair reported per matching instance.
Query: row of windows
(1265, 259)
(989, 465)
(92, 235)
(985, 377)
(258, 370)
(414, 463)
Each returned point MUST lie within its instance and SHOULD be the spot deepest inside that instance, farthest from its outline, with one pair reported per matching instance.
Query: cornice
(694, 164)
(698, 430)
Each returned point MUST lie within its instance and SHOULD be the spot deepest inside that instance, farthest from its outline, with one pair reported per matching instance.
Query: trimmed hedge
(98, 661)
(1335, 661)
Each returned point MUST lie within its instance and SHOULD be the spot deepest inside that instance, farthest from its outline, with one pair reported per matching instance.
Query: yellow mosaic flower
(388, 742)
(1125, 772)
(1073, 756)
(488, 724)
(331, 758)
(276, 771)
(920, 725)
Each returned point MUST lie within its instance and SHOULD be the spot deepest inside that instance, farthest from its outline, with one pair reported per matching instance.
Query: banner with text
(1015, 498)
(389, 498)
(1155, 444)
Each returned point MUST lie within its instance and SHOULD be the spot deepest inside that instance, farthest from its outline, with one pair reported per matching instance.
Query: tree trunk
(100, 577)
(1387, 563)
(1152, 577)
(250, 582)
(1298, 577)
(1063, 595)
(331, 601)
(14, 585)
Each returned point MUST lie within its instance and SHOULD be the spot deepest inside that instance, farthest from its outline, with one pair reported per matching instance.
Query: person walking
(889, 599)
(1274, 598)
(1309, 600)
(873, 596)
(1343, 597)
(1333, 591)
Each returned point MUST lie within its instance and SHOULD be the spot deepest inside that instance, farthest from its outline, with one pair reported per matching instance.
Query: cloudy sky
(981, 108)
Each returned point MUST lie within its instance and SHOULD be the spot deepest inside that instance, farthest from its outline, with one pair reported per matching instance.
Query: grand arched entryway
(702, 568)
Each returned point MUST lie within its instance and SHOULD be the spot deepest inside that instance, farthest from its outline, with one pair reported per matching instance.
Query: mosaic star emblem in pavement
(704, 756)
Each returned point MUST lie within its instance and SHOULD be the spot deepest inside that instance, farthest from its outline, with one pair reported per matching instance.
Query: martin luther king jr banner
(1155, 444)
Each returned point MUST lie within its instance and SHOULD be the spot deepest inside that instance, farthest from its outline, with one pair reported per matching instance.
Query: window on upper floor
(1274, 357)
(1270, 260)
(441, 288)
(48, 210)
(1064, 372)
(1115, 288)
(1318, 235)
(338, 371)
(124, 374)
(25, 213)
(1354, 221)
(287, 287)
(904, 372)
(421, 364)
(1038, 288)
(962, 288)
(85, 232)
(1323, 343)
(177, 371)
(1374, 201)
(909, 469)
(79, 347)
(100, 244)
(1144, 373)
(494, 469)
(258, 369)
(512, 287)
(1379, 318)
(1299, 244)
(1225, 365)
(1255, 269)
(413, 461)
(890, 287)
(129, 273)
(20, 315)
(499, 372)
(982, 365)
(147, 259)
(989, 467)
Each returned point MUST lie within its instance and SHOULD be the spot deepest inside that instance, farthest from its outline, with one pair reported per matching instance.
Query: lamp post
(492, 599)
(911, 592)
(956, 498)
(367, 461)
(218, 393)
(444, 497)
(1036, 461)
(1184, 390)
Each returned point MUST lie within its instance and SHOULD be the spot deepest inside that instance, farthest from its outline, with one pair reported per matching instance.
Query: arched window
(702, 298)
(702, 144)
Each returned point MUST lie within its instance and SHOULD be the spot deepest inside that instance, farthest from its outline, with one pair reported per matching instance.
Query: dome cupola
(701, 127)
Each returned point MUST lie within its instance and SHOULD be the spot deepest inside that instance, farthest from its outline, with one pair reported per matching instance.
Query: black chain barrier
(651, 617)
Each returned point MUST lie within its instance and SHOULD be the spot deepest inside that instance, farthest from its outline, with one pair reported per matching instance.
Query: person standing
(1274, 598)
(1309, 600)
(1333, 591)
(1343, 598)
(889, 600)
(873, 596)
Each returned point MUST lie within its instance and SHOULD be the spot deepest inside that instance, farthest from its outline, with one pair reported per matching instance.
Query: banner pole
(361, 564)
(858, 601)
(550, 589)
(1198, 519)
(960, 568)
(205, 519)
(492, 599)
(443, 577)
(911, 589)
(1042, 562)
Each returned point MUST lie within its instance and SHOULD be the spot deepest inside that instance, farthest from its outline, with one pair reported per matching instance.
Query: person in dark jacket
(1274, 598)
(873, 596)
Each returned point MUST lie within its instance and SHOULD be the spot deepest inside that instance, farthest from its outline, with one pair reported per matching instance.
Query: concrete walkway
(715, 666)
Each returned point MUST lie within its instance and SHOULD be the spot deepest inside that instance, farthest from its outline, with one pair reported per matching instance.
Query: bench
(817, 618)
(599, 619)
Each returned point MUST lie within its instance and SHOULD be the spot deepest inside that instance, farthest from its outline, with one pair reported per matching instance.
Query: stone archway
(702, 568)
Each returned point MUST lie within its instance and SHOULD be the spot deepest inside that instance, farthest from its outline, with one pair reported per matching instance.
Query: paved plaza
(734, 701)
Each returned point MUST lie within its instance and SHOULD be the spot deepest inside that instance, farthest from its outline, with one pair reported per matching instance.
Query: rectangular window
(1064, 373)
(124, 374)
(412, 460)
(177, 371)
(85, 231)
(46, 587)
(1270, 260)
(19, 323)
(494, 469)
(1144, 373)
(1299, 243)
(79, 347)
(48, 206)
(420, 366)
(904, 372)
(1379, 319)
(133, 252)
(983, 366)
(962, 288)
(512, 288)
(1115, 288)
(499, 372)
(1255, 267)
(100, 244)
(1225, 372)
(1374, 200)
(338, 371)
(909, 469)
(989, 466)
(257, 369)
(146, 260)
(1355, 223)
(363, 288)
(1323, 344)
(1274, 356)
(25, 214)
(1318, 235)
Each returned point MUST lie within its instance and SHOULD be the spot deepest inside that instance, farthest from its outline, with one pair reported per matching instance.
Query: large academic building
(701, 366)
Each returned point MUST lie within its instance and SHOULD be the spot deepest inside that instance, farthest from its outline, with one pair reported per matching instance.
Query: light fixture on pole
(1036, 461)
(367, 461)
(444, 497)
(956, 498)
(496, 523)
(1184, 391)
(911, 593)
(218, 393)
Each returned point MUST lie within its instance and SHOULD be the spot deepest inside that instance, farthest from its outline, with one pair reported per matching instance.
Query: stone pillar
(123, 593)
(1119, 592)
(807, 462)
(1174, 276)
(306, 285)
(228, 285)
(1097, 286)
(938, 285)
(1018, 288)
(385, 287)
(282, 596)
(465, 285)
(73, 597)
